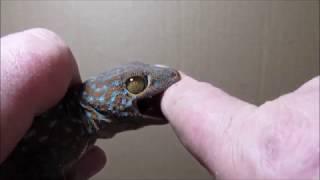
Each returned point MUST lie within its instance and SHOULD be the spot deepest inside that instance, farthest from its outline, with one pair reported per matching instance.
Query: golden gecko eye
(136, 84)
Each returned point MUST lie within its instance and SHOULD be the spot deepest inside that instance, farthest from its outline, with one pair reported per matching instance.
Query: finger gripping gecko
(124, 98)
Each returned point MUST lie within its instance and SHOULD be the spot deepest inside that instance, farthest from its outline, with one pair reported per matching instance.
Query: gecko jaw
(150, 110)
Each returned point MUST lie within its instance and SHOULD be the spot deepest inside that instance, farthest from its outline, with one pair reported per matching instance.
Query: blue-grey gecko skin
(125, 98)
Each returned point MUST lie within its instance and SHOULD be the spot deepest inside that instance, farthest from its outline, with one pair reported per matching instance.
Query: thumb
(36, 70)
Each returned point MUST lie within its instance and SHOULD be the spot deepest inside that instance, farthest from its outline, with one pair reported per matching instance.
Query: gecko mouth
(150, 108)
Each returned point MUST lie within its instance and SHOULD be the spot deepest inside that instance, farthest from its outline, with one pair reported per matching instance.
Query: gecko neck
(91, 124)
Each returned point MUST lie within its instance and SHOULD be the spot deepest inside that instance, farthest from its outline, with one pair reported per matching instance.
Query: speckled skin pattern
(99, 108)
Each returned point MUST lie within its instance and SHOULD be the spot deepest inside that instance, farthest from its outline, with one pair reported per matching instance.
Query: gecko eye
(136, 84)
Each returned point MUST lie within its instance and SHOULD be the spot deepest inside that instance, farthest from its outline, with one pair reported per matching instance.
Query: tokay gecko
(124, 98)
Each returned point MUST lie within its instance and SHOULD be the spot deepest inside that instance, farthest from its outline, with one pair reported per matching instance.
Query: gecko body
(124, 98)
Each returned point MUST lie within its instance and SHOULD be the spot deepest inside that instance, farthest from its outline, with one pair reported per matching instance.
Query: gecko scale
(124, 98)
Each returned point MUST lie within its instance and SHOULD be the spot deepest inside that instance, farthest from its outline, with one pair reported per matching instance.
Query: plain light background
(254, 50)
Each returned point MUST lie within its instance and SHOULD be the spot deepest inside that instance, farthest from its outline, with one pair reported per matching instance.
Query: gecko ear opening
(151, 108)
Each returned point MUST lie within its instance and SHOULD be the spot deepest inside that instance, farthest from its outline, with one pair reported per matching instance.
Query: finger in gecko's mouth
(150, 109)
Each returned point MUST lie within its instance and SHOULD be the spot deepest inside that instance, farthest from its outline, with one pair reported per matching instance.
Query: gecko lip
(150, 110)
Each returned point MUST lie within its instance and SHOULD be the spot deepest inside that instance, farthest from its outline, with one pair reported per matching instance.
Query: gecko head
(127, 97)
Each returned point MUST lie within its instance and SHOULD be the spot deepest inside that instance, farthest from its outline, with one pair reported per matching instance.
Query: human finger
(235, 139)
(37, 68)
(200, 114)
(90, 164)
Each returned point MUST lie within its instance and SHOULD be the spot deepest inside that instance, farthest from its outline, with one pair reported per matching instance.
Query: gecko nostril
(175, 74)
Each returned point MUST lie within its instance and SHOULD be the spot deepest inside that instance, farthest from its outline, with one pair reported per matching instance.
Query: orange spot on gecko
(97, 94)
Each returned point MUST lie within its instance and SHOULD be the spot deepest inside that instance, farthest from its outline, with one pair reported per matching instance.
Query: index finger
(200, 114)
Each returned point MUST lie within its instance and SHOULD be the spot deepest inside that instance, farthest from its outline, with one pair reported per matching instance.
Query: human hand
(36, 70)
(237, 140)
